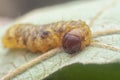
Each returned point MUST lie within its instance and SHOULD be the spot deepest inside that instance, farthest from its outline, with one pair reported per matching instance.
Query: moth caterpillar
(71, 35)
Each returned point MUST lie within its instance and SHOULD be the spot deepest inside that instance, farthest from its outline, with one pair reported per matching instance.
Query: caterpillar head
(76, 40)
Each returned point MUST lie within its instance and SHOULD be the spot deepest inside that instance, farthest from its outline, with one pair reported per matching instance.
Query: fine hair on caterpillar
(72, 36)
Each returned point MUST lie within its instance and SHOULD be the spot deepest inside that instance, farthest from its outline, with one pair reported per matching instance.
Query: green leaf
(79, 71)
(10, 59)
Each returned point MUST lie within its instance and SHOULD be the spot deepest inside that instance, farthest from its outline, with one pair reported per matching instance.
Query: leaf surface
(76, 10)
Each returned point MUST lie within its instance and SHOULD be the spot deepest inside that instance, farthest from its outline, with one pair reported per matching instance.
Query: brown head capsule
(76, 40)
(71, 43)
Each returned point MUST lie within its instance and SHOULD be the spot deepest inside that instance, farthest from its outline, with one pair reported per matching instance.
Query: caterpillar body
(71, 35)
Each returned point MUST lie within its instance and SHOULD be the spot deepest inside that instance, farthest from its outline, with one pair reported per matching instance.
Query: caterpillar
(73, 36)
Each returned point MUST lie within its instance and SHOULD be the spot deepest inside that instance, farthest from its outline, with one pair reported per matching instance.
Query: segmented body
(43, 37)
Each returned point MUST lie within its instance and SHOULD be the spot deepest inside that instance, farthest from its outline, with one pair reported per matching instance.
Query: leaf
(10, 59)
(79, 71)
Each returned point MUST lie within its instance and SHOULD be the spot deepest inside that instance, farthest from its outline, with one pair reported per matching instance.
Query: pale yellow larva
(45, 37)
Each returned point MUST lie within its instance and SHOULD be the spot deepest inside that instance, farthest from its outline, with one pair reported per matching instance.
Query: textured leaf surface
(10, 59)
